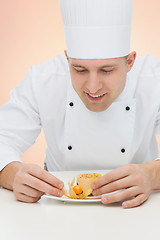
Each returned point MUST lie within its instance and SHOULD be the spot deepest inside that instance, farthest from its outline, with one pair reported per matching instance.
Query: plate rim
(96, 199)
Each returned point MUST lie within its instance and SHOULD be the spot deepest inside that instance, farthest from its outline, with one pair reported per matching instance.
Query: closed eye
(81, 71)
(86, 71)
(106, 71)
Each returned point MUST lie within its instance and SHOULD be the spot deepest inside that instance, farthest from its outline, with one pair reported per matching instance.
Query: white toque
(97, 29)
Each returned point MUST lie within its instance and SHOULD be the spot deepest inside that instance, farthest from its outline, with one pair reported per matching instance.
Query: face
(98, 82)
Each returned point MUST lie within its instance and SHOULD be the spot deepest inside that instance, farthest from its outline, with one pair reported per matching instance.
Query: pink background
(32, 32)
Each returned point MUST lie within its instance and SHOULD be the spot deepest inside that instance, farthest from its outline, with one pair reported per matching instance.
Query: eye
(86, 71)
(106, 71)
(81, 70)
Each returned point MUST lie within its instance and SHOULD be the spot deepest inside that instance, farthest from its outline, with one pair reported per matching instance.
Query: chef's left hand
(134, 180)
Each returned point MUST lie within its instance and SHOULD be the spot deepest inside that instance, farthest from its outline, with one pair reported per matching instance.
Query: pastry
(83, 187)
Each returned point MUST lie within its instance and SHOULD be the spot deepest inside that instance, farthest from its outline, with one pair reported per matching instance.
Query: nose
(93, 84)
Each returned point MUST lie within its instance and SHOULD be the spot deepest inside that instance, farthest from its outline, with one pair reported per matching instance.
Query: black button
(127, 108)
(71, 104)
(69, 147)
(123, 150)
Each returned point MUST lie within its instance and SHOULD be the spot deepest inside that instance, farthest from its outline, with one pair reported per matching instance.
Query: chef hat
(97, 29)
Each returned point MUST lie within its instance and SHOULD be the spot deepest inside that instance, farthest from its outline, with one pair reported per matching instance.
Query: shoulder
(58, 65)
(148, 65)
(50, 80)
(144, 78)
(146, 73)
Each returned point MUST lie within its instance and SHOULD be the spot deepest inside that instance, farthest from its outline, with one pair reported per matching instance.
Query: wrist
(8, 173)
(155, 174)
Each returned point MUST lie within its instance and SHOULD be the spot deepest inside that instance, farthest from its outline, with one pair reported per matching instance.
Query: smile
(95, 96)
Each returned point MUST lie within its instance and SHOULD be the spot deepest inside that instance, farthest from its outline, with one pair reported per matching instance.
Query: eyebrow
(80, 66)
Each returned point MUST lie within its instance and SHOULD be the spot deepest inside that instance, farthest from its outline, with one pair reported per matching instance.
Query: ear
(66, 55)
(130, 60)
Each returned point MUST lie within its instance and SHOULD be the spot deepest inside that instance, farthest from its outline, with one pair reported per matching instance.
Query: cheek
(117, 82)
(77, 81)
(111, 82)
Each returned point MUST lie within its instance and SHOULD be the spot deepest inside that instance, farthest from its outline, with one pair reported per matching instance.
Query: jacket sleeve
(20, 122)
(157, 124)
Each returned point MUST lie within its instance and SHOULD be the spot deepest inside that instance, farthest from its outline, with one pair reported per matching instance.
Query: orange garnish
(77, 189)
(82, 189)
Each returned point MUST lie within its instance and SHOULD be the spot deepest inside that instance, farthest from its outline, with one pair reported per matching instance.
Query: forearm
(8, 173)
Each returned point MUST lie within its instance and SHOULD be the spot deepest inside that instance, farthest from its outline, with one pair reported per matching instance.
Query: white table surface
(52, 219)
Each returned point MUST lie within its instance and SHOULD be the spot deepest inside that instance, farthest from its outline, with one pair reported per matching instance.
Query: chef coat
(77, 138)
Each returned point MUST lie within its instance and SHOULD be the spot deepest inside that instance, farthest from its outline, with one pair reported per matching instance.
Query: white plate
(65, 199)
(66, 176)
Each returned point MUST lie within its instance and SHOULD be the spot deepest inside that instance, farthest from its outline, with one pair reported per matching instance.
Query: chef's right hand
(31, 182)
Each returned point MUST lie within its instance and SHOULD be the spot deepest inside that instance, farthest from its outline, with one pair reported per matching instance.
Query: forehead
(97, 63)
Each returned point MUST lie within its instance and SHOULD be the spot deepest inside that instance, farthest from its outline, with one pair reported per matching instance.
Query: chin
(97, 109)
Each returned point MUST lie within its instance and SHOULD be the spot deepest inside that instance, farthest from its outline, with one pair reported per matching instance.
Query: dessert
(83, 187)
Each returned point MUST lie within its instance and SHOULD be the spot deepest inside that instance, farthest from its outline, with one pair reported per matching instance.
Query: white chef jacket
(77, 138)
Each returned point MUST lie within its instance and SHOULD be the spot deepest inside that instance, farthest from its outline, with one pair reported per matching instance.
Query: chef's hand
(31, 182)
(134, 180)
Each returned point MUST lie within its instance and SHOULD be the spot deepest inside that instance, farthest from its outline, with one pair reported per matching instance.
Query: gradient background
(32, 32)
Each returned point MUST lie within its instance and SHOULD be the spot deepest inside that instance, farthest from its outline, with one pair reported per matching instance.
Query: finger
(121, 195)
(47, 177)
(41, 185)
(123, 183)
(29, 191)
(114, 175)
(138, 200)
(24, 198)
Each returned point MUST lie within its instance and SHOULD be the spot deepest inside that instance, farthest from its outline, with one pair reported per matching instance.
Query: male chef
(98, 104)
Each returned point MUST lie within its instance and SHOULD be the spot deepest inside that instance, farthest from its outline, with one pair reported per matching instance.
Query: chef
(99, 106)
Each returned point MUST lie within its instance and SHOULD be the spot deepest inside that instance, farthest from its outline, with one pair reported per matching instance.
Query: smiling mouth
(95, 97)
